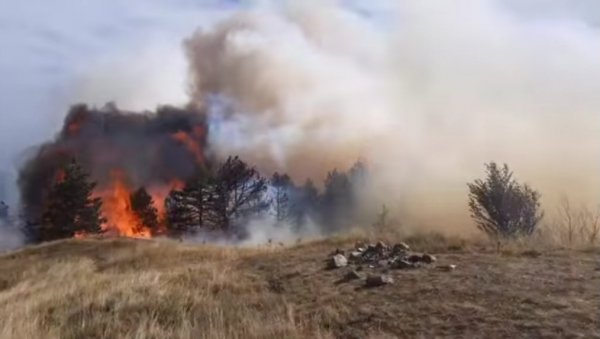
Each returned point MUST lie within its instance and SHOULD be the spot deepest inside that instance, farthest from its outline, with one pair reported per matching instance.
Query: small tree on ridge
(70, 206)
(501, 207)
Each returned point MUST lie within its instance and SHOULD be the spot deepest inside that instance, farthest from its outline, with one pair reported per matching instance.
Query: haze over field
(425, 93)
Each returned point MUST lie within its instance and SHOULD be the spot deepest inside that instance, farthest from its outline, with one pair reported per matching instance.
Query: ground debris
(380, 257)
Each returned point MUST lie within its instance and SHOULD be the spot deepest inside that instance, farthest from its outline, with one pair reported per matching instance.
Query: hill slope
(122, 288)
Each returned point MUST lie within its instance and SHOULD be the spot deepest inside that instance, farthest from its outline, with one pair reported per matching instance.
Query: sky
(50, 51)
(55, 53)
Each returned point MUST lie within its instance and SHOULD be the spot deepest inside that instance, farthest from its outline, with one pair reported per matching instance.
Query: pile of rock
(398, 256)
(378, 256)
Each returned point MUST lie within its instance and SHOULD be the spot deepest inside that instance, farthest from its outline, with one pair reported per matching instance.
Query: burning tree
(143, 207)
(501, 207)
(70, 207)
(123, 151)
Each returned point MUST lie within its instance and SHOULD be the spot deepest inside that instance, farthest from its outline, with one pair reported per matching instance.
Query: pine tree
(143, 206)
(70, 207)
(188, 209)
(239, 194)
(217, 200)
(336, 203)
(304, 204)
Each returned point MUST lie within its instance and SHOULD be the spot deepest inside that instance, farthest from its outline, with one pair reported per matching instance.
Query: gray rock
(337, 261)
(379, 280)
(401, 247)
(428, 258)
(413, 258)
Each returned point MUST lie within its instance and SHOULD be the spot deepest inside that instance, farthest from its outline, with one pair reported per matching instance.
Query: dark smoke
(144, 145)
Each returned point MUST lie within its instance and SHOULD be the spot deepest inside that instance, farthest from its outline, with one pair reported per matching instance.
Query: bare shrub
(576, 225)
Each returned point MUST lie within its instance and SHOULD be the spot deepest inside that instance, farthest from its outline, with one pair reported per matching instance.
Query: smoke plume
(123, 150)
(425, 93)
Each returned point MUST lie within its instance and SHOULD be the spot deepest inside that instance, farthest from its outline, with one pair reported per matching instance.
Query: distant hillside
(120, 288)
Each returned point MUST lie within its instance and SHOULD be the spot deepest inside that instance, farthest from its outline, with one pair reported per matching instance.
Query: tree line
(220, 199)
(224, 198)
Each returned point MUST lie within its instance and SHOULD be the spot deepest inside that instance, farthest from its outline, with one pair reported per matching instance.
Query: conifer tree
(70, 207)
(188, 209)
(143, 206)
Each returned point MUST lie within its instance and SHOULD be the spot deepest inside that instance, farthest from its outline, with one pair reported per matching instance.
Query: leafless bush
(576, 225)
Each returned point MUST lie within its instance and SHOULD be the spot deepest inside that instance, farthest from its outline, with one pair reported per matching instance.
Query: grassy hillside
(122, 288)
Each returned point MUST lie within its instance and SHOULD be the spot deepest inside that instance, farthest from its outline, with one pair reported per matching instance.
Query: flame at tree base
(117, 209)
(121, 219)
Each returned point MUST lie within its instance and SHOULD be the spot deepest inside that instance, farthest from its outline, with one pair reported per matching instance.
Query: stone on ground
(337, 261)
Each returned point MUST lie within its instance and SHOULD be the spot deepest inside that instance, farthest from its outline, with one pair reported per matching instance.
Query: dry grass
(123, 288)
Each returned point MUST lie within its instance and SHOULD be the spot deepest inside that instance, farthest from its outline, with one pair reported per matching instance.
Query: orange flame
(60, 176)
(74, 127)
(116, 208)
(192, 145)
(159, 195)
(80, 235)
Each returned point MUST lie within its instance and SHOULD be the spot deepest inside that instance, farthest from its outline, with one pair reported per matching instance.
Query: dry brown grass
(121, 288)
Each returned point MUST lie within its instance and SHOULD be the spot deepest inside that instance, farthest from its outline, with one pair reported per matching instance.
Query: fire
(116, 208)
(159, 194)
(60, 176)
(192, 145)
(74, 127)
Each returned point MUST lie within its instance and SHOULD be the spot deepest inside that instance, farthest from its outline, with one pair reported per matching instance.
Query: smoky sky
(61, 52)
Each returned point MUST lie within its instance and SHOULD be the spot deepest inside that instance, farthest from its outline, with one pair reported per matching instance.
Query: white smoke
(11, 237)
(267, 230)
(425, 92)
